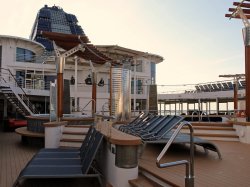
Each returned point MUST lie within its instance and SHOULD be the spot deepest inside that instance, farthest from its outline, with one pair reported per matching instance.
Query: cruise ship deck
(233, 170)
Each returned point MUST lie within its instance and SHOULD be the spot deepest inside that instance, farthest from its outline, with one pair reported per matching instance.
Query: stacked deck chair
(185, 139)
(138, 121)
(64, 167)
(159, 129)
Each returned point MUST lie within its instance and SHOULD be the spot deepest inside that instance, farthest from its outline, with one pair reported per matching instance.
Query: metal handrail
(24, 96)
(189, 179)
(103, 108)
(16, 82)
(193, 115)
(206, 115)
(91, 100)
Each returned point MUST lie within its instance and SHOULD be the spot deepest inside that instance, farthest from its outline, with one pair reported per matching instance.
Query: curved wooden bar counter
(115, 136)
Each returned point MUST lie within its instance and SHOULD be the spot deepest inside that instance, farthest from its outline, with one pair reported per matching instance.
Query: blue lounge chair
(65, 170)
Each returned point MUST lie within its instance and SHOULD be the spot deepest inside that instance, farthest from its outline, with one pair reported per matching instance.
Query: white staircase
(15, 94)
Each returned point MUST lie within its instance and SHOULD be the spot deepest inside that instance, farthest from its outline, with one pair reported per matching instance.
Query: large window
(139, 66)
(138, 86)
(24, 55)
(153, 73)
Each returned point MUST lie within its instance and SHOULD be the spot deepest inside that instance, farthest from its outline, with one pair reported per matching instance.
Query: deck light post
(244, 14)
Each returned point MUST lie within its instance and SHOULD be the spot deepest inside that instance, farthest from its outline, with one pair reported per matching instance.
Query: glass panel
(139, 65)
(132, 86)
(20, 54)
(139, 87)
(24, 55)
(153, 72)
(108, 85)
(29, 56)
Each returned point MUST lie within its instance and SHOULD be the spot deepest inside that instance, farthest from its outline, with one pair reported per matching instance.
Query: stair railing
(24, 98)
(189, 179)
(193, 113)
(91, 100)
(105, 108)
(206, 115)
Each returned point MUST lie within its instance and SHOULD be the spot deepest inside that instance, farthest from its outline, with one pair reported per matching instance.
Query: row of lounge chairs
(157, 129)
(67, 164)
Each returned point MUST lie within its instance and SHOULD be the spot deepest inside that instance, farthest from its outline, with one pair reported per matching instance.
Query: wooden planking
(13, 157)
(233, 170)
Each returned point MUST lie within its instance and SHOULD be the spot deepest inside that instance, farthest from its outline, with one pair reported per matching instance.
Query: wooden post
(247, 75)
(60, 68)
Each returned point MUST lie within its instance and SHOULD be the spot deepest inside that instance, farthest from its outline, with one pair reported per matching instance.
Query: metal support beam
(60, 63)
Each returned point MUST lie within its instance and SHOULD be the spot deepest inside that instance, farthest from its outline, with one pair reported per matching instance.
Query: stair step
(220, 137)
(216, 135)
(74, 133)
(70, 145)
(149, 178)
(71, 140)
(76, 128)
(73, 136)
(211, 128)
(212, 124)
(142, 181)
(213, 132)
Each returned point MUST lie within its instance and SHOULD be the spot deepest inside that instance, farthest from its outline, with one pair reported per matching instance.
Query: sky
(198, 43)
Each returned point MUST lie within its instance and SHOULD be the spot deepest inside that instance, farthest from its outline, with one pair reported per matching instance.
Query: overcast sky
(197, 42)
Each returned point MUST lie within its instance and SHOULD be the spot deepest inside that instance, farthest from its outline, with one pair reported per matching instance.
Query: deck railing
(189, 179)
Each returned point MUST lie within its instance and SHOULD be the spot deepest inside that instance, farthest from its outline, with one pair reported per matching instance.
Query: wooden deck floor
(13, 157)
(232, 171)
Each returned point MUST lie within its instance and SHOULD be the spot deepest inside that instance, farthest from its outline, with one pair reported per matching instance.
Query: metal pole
(134, 99)
(93, 93)
(60, 68)
(111, 90)
(76, 66)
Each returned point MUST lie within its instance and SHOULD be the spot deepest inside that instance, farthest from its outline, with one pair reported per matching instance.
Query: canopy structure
(245, 5)
(69, 41)
(242, 11)
(78, 45)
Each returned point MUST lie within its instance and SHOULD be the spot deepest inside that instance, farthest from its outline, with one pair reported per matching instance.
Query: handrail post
(189, 179)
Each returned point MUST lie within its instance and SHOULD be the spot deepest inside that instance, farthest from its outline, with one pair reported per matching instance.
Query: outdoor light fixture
(72, 80)
(88, 80)
(101, 83)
